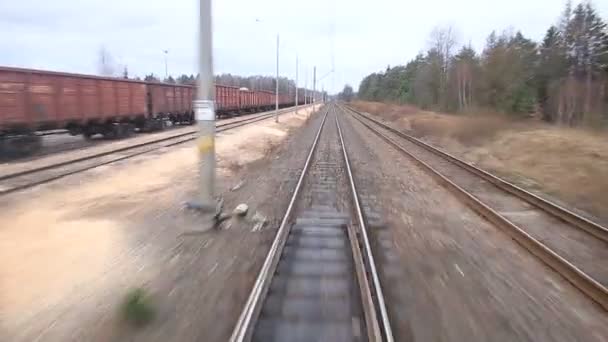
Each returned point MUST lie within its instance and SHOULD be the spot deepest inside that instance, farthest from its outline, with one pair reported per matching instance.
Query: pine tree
(552, 68)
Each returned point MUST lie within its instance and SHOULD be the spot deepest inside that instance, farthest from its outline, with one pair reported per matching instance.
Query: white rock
(240, 209)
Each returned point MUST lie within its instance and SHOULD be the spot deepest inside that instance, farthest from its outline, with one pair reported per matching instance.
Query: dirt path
(450, 275)
(70, 250)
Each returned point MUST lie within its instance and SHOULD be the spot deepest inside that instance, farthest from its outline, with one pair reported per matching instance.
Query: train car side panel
(246, 99)
(187, 95)
(107, 96)
(220, 98)
(226, 98)
(89, 98)
(42, 96)
(12, 99)
(234, 99)
(171, 102)
(138, 98)
(158, 100)
(169, 93)
(69, 110)
(123, 99)
(179, 99)
(190, 98)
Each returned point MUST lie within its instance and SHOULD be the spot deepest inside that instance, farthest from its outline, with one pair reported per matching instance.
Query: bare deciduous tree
(443, 40)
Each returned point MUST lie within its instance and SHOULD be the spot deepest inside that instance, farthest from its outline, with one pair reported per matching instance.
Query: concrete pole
(305, 85)
(276, 107)
(204, 110)
(297, 104)
(314, 86)
(166, 64)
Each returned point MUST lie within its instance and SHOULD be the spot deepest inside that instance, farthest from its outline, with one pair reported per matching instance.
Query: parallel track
(574, 246)
(318, 281)
(36, 176)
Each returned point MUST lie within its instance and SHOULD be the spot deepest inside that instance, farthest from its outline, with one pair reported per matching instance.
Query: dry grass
(570, 164)
(466, 129)
(389, 112)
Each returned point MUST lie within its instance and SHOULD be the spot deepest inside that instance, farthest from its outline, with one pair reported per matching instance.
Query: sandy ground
(564, 164)
(71, 249)
(448, 274)
(61, 148)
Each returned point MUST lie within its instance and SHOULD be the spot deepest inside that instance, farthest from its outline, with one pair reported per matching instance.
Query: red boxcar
(171, 101)
(247, 99)
(284, 100)
(267, 99)
(33, 100)
(226, 99)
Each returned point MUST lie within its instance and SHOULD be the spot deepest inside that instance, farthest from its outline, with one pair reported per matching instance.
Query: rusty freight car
(266, 99)
(247, 100)
(171, 102)
(226, 100)
(34, 100)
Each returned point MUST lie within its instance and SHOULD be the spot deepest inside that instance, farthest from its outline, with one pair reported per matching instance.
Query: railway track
(572, 245)
(319, 281)
(21, 180)
(77, 142)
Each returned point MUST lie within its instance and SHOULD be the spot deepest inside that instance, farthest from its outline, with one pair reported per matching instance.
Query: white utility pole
(276, 107)
(166, 64)
(305, 85)
(314, 86)
(204, 110)
(297, 84)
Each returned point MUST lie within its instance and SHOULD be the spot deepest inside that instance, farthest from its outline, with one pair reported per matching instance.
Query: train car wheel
(87, 135)
(130, 130)
(112, 131)
(19, 146)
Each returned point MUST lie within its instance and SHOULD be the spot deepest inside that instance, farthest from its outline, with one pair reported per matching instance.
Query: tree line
(256, 82)
(564, 77)
(108, 67)
(347, 93)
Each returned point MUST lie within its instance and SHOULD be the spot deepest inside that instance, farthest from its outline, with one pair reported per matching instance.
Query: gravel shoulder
(70, 250)
(449, 275)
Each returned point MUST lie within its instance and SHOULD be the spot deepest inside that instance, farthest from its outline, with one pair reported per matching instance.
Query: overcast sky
(357, 37)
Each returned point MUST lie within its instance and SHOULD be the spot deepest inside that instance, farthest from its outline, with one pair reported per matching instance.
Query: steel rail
(377, 287)
(233, 124)
(55, 132)
(221, 128)
(554, 209)
(242, 329)
(581, 280)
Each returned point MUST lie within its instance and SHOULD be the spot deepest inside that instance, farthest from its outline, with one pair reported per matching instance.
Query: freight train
(33, 101)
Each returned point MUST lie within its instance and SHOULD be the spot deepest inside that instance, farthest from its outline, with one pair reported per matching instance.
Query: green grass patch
(137, 307)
